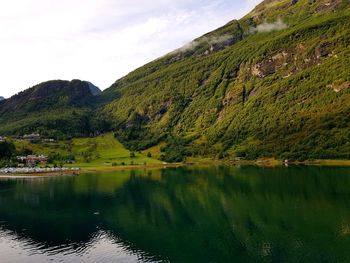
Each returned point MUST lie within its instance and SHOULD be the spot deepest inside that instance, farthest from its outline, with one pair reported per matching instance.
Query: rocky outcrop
(269, 66)
(323, 49)
(292, 60)
(338, 87)
(327, 5)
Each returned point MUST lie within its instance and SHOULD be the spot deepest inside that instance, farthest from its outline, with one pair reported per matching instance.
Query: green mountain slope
(276, 83)
(54, 108)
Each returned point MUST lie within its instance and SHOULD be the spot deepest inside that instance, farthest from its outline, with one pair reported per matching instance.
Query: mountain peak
(50, 94)
(52, 105)
(293, 10)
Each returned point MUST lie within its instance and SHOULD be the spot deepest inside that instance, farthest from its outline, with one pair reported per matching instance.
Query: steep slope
(276, 83)
(55, 108)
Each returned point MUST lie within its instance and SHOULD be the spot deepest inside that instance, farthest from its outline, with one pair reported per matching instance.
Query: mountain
(275, 83)
(54, 107)
(2, 98)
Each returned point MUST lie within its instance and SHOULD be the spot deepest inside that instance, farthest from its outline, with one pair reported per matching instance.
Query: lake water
(217, 214)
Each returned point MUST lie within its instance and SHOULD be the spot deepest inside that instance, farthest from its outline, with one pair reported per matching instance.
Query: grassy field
(98, 153)
(155, 151)
(105, 153)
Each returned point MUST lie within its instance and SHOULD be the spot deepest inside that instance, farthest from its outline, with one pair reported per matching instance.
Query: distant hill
(1, 98)
(54, 107)
(275, 83)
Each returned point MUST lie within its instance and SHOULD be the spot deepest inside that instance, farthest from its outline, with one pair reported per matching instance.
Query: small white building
(31, 136)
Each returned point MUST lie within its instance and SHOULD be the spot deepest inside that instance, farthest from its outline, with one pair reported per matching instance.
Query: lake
(208, 214)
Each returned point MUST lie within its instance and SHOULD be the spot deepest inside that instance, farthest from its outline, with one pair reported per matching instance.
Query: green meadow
(98, 153)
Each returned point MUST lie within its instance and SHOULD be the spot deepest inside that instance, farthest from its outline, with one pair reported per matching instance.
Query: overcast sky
(98, 40)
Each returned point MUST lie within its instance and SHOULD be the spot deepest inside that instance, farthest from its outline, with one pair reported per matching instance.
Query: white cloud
(268, 27)
(99, 41)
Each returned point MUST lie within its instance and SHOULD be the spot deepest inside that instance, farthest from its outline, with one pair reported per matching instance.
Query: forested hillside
(55, 108)
(275, 83)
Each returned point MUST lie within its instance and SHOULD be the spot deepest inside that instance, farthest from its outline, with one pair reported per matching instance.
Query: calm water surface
(218, 214)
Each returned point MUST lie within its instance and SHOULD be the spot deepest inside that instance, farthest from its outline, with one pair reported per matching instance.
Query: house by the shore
(33, 160)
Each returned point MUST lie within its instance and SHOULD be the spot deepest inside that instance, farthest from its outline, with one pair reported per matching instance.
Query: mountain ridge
(200, 97)
(47, 106)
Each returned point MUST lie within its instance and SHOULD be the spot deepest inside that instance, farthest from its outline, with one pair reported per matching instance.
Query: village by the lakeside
(30, 160)
(29, 164)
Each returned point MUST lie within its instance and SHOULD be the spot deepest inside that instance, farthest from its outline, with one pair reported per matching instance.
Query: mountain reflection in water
(213, 214)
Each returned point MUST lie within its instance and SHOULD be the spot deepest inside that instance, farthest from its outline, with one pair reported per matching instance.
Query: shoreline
(267, 162)
(98, 169)
(37, 175)
(22, 172)
(270, 162)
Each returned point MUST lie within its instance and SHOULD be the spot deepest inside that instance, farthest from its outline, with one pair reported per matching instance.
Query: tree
(7, 150)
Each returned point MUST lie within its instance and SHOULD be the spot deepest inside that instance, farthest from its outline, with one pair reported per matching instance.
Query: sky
(98, 40)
